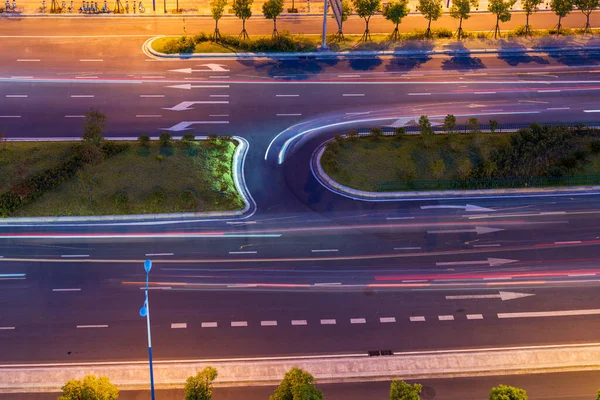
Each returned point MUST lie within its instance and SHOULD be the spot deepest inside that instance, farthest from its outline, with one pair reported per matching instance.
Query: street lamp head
(147, 265)
(143, 311)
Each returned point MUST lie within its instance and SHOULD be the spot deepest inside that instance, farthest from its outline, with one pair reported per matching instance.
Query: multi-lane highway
(310, 272)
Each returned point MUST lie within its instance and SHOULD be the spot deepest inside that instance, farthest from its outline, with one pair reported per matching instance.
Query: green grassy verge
(202, 43)
(184, 177)
(550, 157)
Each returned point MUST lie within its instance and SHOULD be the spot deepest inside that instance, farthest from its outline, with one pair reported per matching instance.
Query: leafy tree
(400, 390)
(587, 7)
(217, 8)
(243, 10)
(473, 124)
(461, 9)
(449, 123)
(144, 140)
(437, 169)
(399, 132)
(561, 8)
(425, 126)
(432, 10)
(394, 12)
(501, 9)
(464, 168)
(95, 122)
(165, 139)
(493, 125)
(297, 385)
(598, 395)
(272, 9)
(91, 388)
(200, 387)
(529, 6)
(365, 9)
(376, 133)
(503, 392)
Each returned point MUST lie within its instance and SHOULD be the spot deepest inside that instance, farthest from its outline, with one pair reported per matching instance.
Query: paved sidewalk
(335, 368)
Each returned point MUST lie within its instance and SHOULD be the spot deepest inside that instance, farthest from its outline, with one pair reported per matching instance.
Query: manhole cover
(428, 393)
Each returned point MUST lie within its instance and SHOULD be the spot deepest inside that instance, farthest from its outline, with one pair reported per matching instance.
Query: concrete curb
(335, 187)
(239, 160)
(350, 54)
(326, 369)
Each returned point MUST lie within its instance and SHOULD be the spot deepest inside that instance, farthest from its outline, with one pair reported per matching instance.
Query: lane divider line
(474, 316)
(239, 323)
(179, 325)
(208, 325)
(299, 322)
(67, 290)
(417, 319)
(358, 321)
(328, 322)
(268, 323)
(91, 326)
(387, 320)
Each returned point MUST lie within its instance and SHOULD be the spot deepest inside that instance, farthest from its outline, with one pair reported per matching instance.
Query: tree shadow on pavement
(461, 59)
(418, 55)
(365, 64)
(513, 59)
(292, 69)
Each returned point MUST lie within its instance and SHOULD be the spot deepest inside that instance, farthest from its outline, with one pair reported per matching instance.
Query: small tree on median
(426, 131)
(394, 12)
(272, 9)
(297, 385)
(473, 125)
(95, 122)
(529, 6)
(91, 388)
(437, 169)
(365, 9)
(432, 10)
(461, 9)
(449, 123)
(217, 7)
(243, 10)
(501, 9)
(199, 387)
(587, 7)
(503, 392)
(400, 390)
(561, 8)
(493, 125)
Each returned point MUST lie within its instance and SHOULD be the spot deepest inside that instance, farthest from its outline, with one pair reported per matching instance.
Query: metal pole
(149, 339)
(165, 5)
(324, 41)
(154, 5)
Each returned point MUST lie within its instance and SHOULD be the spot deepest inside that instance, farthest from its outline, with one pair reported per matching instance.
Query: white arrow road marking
(185, 125)
(189, 86)
(185, 105)
(478, 230)
(493, 262)
(501, 295)
(209, 68)
(467, 207)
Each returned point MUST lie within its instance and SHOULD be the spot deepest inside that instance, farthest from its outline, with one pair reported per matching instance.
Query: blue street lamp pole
(145, 312)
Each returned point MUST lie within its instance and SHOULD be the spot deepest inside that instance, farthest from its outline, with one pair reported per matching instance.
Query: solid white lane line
(474, 316)
(91, 60)
(209, 324)
(156, 288)
(28, 60)
(484, 92)
(289, 115)
(539, 314)
(74, 255)
(243, 252)
(571, 242)
(74, 116)
(268, 323)
(159, 254)
(218, 76)
(82, 96)
(86, 77)
(218, 115)
(558, 108)
(349, 76)
(239, 323)
(387, 320)
(7, 328)
(358, 113)
(324, 251)
(417, 319)
(487, 245)
(353, 95)
(10, 116)
(446, 317)
(219, 95)
(152, 95)
(287, 95)
(576, 275)
(328, 284)
(553, 213)
(153, 76)
(328, 322)
(393, 218)
(407, 248)
(178, 325)
(148, 116)
(298, 322)
(419, 94)
(415, 281)
(549, 91)
(591, 111)
(91, 326)
(21, 77)
(12, 96)
(358, 321)
(67, 290)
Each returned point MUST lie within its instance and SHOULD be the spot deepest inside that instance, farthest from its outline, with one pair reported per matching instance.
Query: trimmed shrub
(144, 140)
(353, 135)
(165, 139)
(188, 137)
(160, 157)
(9, 203)
(112, 147)
(184, 44)
(213, 137)
(376, 133)
(493, 125)
(442, 33)
(157, 195)
(227, 138)
(399, 132)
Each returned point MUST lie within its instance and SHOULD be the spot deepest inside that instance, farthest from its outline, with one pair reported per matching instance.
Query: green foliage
(339, 139)
(160, 157)
(200, 387)
(188, 137)
(400, 390)
(347, 10)
(332, 146)
(395, 10)
(353, 135)
(425, 126)
(461, 9)
(530, 6)
(272, 8)
(449, 123)
(95, 122)
(587, 6)
(144, 140)
(438, 168)
(473, 124)
(90, 153)
(217, 7)
(493, 125)
(111, 147)
(157, 195)
(366, 8)
(165, 139)
(213, 137)
(561, 8)
(598, 395)
(184, 44)
(376, 133)
(92, 388)
(595, 146)
(464, 168)
(431, 10)
(503, 392)
(297, 385)
(242, 9)
(188, 199)
(121, 198)
(501, 9)
(9, 203)
(399, 132)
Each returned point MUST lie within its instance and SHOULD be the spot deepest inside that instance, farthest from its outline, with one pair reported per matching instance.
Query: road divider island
(95, 176)
(460, 158)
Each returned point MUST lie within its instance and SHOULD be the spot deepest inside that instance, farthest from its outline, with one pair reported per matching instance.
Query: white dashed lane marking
(179, 325)
(417, 319)
(12, 96)
(297, 322)
(474, 316)
(387, 320)
(446, 317)
(82, 96)
(328, 322)
(91, 326)
(67, 290)
(209, 325)
(7, 328)
(268, 323)
(358, 321)
(239, 323)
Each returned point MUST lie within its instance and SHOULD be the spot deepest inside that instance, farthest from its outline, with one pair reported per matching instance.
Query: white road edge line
(91, 326)
(324, 251)
(74, 255)
(538, 314)
(67, 290)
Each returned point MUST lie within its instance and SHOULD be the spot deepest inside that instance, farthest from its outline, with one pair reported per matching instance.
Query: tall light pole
(145, 312)
(324, 40)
